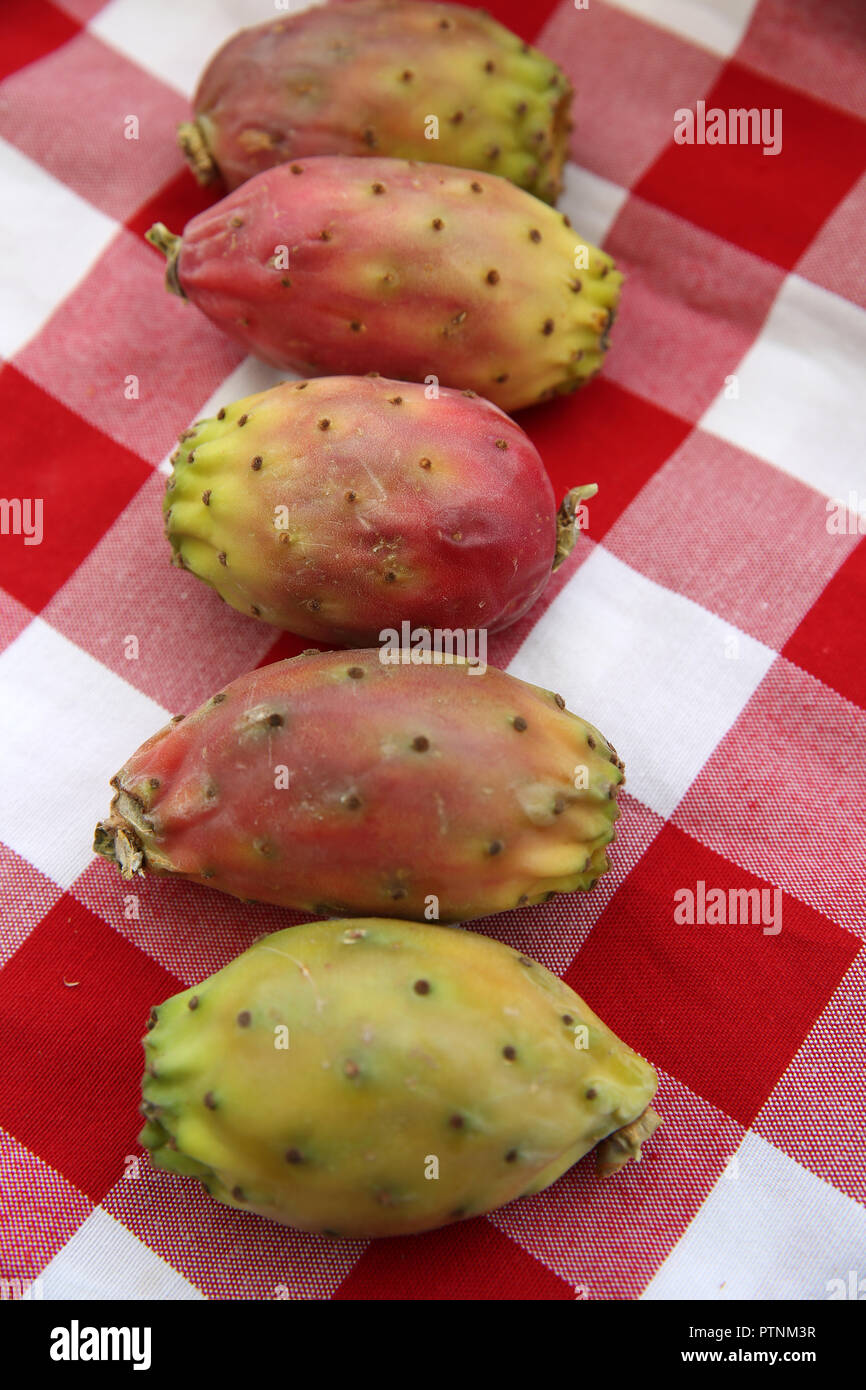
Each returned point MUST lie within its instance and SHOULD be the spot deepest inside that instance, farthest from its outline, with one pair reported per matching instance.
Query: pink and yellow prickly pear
(380, 1078)
(343, 783)
(342, 266)
(390, 77)
(341, 507)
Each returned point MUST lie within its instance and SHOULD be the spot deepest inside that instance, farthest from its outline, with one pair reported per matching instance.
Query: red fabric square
(72, 1056)
(772, 205)
(724, 1008)
(122, 323)
(784, 791)
(43, 114)
(52, 454)
(691, 307)
(825, 643)
(724, 562)
(603, 434)
(467, 1261)
(28, 30)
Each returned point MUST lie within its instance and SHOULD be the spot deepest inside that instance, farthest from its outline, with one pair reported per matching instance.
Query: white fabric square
(176, 41)
(801, 400)
(105, 1260)
(591, 203)
(70, 724)
(660, 676)
(718, 25)
(49, 239)
(755, 1237)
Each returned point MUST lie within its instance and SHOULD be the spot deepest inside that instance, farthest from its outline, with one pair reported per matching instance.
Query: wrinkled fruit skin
(363, 78)
(347, 505)
(408, 270)
(404, 781)
(318, 1078)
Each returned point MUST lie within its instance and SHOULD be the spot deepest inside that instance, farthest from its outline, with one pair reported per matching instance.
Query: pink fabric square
(14, 618)
(225, 1253)
(81, 9)
(783, 794)
(187, 927)
(41, 1210)
(189, 641)
(692, 305)
(630, 77)
(26, 896)
(835, 258)
(817, 46)
(120, 332)
(82, 140)
(700, 527)
(817, 1112)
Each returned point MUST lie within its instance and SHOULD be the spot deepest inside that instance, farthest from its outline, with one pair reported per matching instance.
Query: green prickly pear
(387, 77)
(379, 1078)
(340, 266)
(359, 783)
(341, 507)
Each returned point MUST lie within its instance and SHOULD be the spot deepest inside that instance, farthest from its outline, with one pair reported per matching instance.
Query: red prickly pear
(360, 783)
(386, 77)
(342, 507)
(342, 266)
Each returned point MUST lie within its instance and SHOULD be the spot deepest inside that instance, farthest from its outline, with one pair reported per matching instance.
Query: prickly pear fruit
(342, 266)
(378, 1078)
(374, 76)
(341, 785)
(344, 506)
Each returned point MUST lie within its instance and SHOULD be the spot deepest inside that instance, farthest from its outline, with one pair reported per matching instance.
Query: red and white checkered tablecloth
(711, 623)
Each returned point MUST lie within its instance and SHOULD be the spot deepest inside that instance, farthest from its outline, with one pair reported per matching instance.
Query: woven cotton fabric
(710, 621)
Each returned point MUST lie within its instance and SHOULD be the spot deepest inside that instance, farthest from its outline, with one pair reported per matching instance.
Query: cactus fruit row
(377, 1073)
(339, 266)
(340, 784)
(341, 507)
(406, 1076)
(389, 77)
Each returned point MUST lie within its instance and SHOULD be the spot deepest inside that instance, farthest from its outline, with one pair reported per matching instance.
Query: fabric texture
(709, 621)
